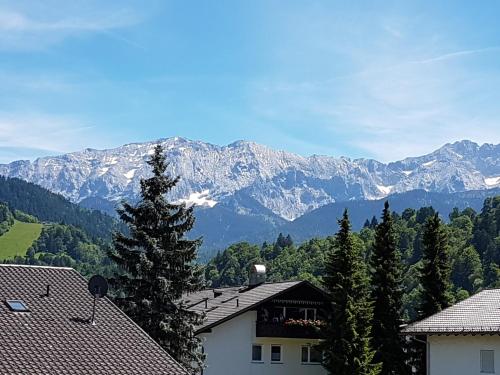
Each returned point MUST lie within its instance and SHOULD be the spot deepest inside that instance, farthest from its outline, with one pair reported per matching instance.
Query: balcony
(288, 330)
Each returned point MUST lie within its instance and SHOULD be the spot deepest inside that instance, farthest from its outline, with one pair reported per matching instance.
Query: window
(308, 314)
(278, 314)
(275, 353)
(488, 361)
(311, 354)
(17, 305)
(257, 353)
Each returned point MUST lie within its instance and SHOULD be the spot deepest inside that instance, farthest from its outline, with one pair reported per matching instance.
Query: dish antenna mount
(98, 287)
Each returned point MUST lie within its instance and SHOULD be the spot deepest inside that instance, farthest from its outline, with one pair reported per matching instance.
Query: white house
(264, 328)
(463, 339)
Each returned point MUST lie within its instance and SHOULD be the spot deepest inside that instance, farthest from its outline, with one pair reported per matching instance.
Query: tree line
(49, 207)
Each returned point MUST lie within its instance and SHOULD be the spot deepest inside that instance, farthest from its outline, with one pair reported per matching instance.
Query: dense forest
(6, 218)
(49, 207)
(474, 253)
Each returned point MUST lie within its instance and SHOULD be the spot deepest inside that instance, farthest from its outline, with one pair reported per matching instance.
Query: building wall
(459, 355)
(229, 351)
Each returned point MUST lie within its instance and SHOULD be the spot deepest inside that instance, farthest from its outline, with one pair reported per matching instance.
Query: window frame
(11, 305)
(308, 362)
(271, 352)
(314, 313)
(481, 363)
(261, 360)
(309, 310)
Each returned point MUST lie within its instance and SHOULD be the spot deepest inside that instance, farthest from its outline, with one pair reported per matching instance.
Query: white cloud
(47, 133)
(37, 26)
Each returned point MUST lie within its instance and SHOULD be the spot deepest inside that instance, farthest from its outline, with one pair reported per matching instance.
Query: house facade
(463, 339)
(268, 328)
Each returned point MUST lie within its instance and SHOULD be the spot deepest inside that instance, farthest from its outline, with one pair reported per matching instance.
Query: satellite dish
(98, 286)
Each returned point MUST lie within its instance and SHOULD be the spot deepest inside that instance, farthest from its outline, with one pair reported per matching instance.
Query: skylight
(17, 305)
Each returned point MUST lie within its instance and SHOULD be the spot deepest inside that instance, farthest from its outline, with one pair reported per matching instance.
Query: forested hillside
(70, 236)
(49, 207)
(63, 246)
(474, 250)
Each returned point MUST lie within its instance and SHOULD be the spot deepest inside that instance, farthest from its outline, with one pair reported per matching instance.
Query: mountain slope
(49, 207)
(322, 222)
(222, 227)
(287, 184)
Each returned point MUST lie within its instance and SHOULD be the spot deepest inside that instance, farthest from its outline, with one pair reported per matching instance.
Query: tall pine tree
(156, 265)
(435, 272)
(387, 294)
(435, 281)
(347, 346)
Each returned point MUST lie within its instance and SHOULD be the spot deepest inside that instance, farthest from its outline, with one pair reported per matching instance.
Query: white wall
(457, 355)
(229, 351)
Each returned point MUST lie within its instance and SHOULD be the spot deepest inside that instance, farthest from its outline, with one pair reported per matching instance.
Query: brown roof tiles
(55, 337)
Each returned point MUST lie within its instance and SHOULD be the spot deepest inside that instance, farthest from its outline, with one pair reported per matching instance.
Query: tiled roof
(55, 336)
(231, 302)
(477, 314)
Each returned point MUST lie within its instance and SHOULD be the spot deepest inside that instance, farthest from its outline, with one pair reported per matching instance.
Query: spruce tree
(435, 281)
(156, 264)
(347, 345)
(435, 273)
(387, 294)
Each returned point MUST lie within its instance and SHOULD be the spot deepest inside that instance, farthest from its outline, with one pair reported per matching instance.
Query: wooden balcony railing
(284, 330)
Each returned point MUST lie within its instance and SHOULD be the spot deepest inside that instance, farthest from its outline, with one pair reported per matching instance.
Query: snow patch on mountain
(130, 174)
(199, 199)
(492, 181)
(102, 171)
(386, 190)
(287, 184)
(429, 163)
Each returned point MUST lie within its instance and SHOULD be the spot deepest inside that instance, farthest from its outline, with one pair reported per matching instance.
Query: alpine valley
(246, 191)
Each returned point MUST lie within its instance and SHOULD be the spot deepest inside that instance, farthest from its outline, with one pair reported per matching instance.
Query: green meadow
(18, 239)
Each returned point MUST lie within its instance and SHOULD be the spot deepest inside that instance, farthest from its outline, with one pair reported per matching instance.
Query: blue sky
(363, 79)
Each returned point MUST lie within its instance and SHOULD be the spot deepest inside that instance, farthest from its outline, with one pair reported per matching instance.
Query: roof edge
(35, 266)
(248, 308)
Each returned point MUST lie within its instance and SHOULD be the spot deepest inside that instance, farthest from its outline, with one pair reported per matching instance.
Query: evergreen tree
(435, 273)
(157, 264)
(435, 280)
(387, 295)
(347, 347)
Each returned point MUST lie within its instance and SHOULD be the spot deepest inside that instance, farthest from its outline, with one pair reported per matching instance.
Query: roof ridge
(35, 266)
(245, 286)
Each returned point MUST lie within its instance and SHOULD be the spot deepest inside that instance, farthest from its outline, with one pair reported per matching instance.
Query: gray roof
(233, 301)
(477, 314)
(55, 337)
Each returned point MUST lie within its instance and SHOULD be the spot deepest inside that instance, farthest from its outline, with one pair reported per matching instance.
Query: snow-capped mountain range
(285, 183)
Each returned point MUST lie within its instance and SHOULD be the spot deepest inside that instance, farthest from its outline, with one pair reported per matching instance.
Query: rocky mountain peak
(285, 183)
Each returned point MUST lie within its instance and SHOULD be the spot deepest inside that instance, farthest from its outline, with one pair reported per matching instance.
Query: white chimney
(257, 275)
